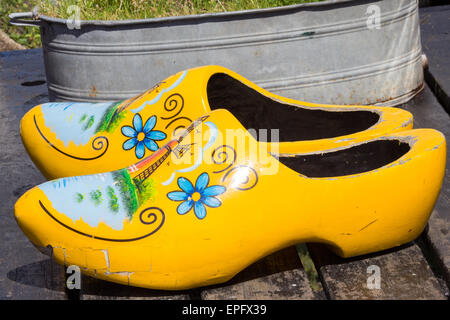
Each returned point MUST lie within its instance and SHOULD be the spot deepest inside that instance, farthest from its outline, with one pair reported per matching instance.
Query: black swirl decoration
(173, 103)
(221, 154)
(147, 216)
(99, 143)
(247, 182)
(186, 121)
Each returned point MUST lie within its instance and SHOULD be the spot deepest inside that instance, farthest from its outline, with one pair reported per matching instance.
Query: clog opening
(358, 159)
(257, 111)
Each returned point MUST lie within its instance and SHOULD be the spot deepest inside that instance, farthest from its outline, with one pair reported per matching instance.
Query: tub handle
(18, 19)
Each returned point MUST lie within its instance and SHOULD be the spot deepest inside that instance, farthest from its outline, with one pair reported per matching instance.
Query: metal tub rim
(378, 74)
(16, 18)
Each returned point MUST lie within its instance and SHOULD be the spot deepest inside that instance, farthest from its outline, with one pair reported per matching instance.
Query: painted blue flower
(142, 137)
(196, 197)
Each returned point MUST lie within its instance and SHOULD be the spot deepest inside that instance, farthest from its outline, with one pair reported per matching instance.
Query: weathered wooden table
(418, 270)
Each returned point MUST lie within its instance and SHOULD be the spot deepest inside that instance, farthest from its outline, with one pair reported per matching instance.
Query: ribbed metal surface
(319, 52)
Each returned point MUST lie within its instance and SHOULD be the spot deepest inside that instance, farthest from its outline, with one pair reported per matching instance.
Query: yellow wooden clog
(207, 205)
(68, 139)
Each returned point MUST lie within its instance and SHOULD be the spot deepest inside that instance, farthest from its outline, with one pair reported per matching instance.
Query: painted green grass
(83, 117)
(127, 191)
(134, 193)
(113, 200)
(146, 189)
(89, 123)
(86, 122)
(120, 10)
(96, 197)
(111, 119)
(79, 197)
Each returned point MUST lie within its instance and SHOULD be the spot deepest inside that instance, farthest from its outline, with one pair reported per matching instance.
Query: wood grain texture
(404, 275)
(428, 113)
(279, 276)
(95, 289)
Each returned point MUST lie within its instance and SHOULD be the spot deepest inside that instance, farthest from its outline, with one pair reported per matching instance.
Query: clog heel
(70, 138)
(207, 205)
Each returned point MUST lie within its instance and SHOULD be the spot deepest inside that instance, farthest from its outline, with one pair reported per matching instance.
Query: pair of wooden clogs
(205, 173)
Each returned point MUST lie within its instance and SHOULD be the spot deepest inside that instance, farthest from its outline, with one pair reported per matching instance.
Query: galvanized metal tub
(337, 52)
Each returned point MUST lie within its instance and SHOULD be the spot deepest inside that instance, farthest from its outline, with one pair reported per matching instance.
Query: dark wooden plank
(25, 273)
(95, 289)
(404, 274)
(278, 276)
(428, 113)
(435, 27)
